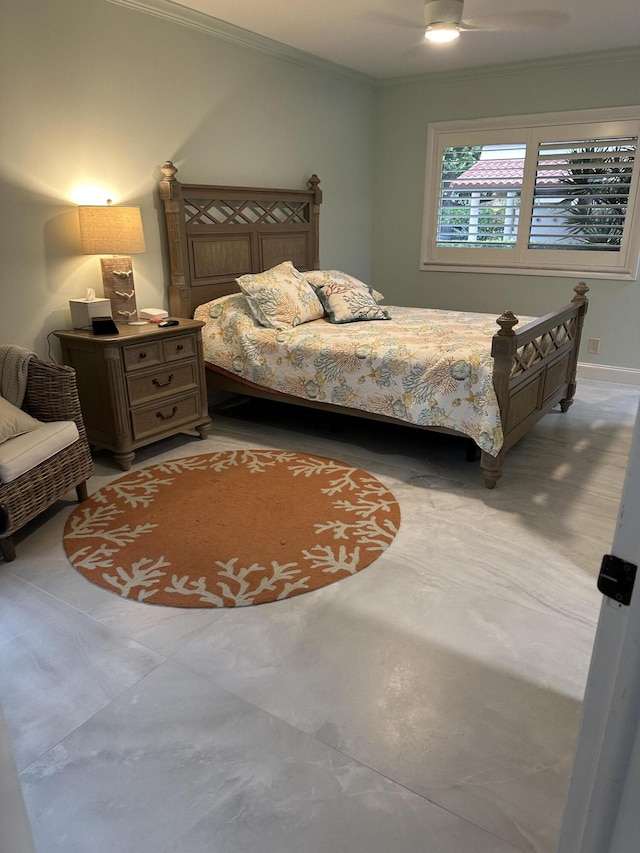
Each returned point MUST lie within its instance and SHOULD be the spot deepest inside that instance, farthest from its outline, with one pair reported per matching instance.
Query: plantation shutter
(581, 194)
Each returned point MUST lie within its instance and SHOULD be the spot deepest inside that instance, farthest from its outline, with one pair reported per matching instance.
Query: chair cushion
(24, 452)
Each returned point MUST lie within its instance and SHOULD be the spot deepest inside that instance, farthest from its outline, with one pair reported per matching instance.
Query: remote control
(168, 323)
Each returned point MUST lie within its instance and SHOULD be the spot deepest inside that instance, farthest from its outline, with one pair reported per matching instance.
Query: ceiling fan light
(442, 33)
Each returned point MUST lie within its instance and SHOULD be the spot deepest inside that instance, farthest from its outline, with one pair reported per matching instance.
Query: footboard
(534, 370)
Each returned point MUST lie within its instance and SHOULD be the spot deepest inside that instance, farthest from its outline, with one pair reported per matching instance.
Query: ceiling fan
(443, 20)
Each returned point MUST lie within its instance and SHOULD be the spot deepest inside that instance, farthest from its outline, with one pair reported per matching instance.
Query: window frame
(529, 130)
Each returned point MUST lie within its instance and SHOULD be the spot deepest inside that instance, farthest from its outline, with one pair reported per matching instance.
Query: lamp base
(117, 280)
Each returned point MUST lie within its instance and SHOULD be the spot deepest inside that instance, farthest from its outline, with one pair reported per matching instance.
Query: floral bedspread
(424, 366)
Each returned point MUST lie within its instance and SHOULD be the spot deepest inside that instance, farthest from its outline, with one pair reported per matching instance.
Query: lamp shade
(111, 230)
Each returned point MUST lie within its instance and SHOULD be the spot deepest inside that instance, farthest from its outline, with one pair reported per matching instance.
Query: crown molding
(181, 15)
(216, 28)
(604, 57)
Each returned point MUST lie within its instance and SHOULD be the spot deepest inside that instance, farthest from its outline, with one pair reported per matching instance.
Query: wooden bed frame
(217, 233)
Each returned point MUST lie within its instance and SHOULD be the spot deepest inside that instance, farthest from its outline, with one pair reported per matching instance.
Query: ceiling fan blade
(516, 21)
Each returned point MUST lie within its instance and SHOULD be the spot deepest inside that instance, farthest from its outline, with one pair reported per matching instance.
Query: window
(555, 194)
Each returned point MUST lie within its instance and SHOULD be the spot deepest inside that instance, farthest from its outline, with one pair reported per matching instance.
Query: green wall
(404, 109)
(92, 92)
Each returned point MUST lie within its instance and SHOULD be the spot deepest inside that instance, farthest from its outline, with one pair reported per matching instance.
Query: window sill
(547, 272)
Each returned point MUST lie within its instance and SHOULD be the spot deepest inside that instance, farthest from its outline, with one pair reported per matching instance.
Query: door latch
(616, 578)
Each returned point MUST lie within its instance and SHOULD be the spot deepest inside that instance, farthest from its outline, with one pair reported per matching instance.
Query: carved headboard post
(314, 185)
(171, 195)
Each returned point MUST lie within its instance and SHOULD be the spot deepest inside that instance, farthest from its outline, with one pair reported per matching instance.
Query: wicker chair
(51, 395)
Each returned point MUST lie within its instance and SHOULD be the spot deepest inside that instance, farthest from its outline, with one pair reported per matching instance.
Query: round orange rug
(231, 528)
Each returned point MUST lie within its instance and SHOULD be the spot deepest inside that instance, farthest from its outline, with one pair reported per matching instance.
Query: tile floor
(428, 703)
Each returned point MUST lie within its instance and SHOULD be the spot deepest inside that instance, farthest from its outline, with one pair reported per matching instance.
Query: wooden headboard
(216, 234)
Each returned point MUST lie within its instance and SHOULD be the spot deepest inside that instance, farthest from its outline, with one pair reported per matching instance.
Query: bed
(216, 235)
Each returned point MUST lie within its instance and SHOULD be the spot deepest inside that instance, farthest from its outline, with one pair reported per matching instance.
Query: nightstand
(141, 385)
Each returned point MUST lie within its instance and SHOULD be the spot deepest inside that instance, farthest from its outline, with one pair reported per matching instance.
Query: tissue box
(83, 311)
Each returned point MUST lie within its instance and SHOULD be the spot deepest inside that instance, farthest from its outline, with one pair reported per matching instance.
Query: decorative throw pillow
(345, 298)
(320, 277)
(13, 421)
(280, 298)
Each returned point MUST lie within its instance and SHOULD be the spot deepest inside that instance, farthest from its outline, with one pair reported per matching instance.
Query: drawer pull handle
(142, 355)
(159, 384)
(167, 417)
(179, 347)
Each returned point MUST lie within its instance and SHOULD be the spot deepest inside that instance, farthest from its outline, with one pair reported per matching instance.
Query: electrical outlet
(593, 346)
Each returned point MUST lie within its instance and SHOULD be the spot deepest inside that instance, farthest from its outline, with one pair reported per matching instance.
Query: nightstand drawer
(162, 382)
(143, 355)
(164, 417)
(180, 346)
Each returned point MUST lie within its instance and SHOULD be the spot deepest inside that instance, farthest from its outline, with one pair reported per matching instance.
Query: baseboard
(608, 373)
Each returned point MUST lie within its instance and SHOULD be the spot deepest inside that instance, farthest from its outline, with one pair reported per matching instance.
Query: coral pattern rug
(231, 528)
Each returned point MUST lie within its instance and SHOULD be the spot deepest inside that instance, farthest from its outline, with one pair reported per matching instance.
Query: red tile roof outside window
(501, 174)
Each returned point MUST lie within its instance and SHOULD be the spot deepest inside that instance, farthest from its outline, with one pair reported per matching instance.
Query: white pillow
(13, 421)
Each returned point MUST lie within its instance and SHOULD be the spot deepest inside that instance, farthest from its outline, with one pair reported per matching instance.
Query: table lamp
(114, 230)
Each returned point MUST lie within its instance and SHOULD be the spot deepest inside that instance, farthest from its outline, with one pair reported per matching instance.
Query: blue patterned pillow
(320, 277)
(280, 298)
(345, 298)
